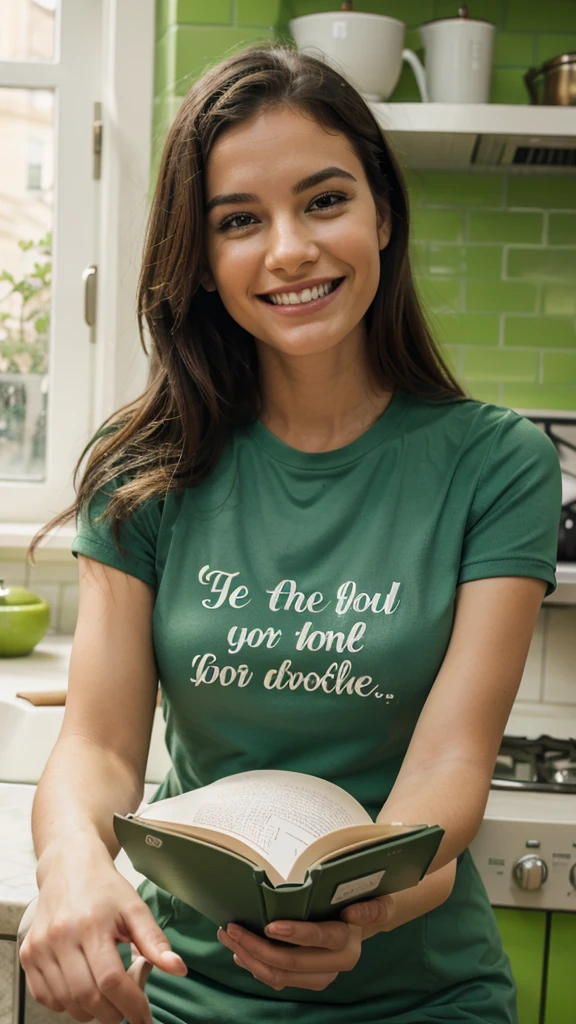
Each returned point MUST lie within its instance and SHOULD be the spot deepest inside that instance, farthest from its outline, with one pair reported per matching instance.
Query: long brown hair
(203, 371)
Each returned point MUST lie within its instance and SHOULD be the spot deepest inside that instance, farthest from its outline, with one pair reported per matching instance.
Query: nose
(290, 245)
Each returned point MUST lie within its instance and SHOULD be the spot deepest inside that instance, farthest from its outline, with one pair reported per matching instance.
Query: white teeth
(306, 295)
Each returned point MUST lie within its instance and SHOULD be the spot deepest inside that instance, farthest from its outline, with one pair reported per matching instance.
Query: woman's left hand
(321, 949)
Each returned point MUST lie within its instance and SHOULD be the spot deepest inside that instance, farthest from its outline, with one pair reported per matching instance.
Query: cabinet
(524, 939)
(561, 987)
(542, 951)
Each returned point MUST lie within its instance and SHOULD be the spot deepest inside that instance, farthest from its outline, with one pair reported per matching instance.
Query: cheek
(235, 268)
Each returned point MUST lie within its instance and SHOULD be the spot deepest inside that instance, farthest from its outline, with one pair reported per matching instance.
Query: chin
(302, 346)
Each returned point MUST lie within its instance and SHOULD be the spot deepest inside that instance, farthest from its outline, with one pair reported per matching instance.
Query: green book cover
(248, 885)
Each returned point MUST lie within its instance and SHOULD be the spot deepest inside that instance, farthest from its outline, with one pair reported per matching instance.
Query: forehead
(276, 145)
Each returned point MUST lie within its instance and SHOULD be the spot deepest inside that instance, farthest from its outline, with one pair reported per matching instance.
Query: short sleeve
(514, 519)
(138, 535)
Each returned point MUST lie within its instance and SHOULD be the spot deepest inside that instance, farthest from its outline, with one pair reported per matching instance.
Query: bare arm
(85, 906)
(446, 773)
(98, 763)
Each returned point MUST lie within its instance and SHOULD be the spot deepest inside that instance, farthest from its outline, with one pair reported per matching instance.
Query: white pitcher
(367, 49)
(458, 58)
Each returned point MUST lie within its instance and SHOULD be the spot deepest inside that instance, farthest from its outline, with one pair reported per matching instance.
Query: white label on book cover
(357, 886)
(153, 840)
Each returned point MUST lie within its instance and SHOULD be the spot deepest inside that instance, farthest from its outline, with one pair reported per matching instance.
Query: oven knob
(530, 872)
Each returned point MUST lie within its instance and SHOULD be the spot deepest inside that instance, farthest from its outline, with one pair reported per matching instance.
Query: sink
(28, 732)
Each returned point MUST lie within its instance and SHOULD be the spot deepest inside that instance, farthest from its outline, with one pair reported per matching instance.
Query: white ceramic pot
(458, 59)
(367, 49)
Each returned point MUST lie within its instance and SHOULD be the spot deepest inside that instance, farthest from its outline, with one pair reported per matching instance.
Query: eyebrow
(301, 186)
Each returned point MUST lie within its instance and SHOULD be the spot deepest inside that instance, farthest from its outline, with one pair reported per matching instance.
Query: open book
(282, 821)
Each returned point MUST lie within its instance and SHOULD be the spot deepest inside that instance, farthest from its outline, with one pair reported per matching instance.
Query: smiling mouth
(302, 298)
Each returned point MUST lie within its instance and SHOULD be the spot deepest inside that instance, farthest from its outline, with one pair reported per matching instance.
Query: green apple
(24, 620)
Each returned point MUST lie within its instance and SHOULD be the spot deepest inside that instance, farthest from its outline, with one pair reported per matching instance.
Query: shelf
(477, 137)
(476, 118)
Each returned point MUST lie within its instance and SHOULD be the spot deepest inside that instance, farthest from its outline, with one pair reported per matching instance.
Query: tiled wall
(494, 255)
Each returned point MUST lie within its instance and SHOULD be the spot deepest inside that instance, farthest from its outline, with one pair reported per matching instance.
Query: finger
(114, 982)
(139, 970)
(84, 993)
(368, 911)
(304, 958)
(39, 990)
(327, 934)
(278, 979)
(57, 990)
(150, 940)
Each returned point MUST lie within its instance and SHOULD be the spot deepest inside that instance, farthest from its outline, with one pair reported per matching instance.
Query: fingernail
(238, 961)
(173, 960)
(279, 929)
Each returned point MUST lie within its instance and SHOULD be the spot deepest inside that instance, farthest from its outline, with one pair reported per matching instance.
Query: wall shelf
(482, 137)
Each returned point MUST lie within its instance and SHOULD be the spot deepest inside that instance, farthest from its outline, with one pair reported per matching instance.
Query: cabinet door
(523, 937)
(561, 988)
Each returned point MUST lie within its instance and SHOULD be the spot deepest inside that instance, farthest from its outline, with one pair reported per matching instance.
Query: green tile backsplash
(494, 256)
(488, 226)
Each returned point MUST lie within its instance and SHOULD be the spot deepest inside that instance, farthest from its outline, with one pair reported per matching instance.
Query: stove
(543, 765)
(525, 850)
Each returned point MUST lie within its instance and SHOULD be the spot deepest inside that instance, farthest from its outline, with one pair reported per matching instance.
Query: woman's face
(271, 232)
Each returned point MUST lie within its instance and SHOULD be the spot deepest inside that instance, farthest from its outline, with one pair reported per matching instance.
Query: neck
(321, 401)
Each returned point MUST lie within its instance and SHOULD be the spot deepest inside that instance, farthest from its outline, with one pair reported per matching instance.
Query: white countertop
(18, 860)
(45, 668)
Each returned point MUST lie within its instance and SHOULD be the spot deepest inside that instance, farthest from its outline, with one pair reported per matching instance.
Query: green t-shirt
(303, 606)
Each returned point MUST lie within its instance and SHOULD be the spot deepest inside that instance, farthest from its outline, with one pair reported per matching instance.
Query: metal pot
(554, 82)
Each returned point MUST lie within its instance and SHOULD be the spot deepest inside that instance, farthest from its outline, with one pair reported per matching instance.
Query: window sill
(19, 535)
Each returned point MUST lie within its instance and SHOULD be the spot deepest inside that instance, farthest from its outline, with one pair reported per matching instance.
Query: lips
(332, 283)
(305, 309)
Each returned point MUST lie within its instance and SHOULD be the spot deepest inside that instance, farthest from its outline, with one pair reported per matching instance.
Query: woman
(304, 494)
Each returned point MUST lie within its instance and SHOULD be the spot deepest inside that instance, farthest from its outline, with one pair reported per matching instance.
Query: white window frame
(102, 222)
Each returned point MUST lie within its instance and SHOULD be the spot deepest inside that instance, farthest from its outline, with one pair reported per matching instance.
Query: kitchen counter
(18, 860)
(46, 667)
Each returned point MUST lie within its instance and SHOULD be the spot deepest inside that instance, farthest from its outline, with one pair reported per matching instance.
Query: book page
(347, 840)
(277, 813)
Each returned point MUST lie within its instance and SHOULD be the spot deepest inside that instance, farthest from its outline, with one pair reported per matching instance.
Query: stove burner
(545, 764)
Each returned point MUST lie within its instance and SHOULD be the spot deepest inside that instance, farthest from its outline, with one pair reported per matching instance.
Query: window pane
(27, 31)
(26, 217)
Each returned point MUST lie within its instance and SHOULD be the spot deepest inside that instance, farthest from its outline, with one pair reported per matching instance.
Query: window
(47, 198)
(59, 377)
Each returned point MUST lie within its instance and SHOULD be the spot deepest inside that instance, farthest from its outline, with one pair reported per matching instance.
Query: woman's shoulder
(475, 420)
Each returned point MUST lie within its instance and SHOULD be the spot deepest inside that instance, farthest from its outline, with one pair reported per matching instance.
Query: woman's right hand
(85, 907)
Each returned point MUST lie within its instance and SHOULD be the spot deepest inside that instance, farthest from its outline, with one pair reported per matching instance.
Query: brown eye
(338, 196)
(228, 223)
